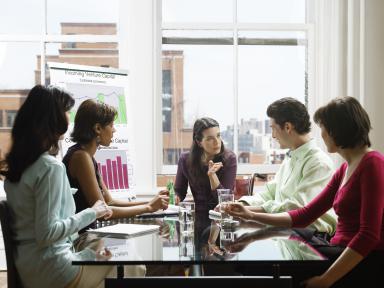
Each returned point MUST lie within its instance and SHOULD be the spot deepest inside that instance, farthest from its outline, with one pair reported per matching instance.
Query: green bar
(72, 115)
(122, 110)
(100, 97)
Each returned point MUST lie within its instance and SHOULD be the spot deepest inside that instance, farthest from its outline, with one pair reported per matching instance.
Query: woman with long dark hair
(356, 192)
(40, 199)
(207, 167)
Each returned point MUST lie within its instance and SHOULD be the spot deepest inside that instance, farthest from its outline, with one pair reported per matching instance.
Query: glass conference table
(266, 251)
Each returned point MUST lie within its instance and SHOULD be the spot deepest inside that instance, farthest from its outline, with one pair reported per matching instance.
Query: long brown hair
(38, 125)
(195, 165)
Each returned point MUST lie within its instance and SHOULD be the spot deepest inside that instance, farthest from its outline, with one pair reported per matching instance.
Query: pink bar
(125, 175)
(120, 172)
(104, 173)
(114, 171)
(109, 170)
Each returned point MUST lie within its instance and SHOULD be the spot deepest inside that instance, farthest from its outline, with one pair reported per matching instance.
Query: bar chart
(114, 169)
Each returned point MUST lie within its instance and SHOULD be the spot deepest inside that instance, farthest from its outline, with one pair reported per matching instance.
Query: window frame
(44, 38)
(326, 72)
(235, 27)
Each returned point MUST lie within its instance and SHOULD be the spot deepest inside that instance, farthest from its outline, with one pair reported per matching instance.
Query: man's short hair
(290, 110)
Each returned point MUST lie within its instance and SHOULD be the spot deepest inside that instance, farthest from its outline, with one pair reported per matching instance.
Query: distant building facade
(176, 138)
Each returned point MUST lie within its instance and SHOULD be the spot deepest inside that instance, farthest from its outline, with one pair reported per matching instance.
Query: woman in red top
(356, 192)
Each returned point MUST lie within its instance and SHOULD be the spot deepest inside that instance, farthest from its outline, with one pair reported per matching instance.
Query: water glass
(186, 211)
(186, 229)
(225, 197)
(186, 217)
(227, 237)
(186, 246)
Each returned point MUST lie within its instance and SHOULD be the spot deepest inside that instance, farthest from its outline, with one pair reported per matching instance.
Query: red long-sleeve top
(359, 205)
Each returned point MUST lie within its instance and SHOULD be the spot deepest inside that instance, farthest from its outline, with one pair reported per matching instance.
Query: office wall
(374, 68)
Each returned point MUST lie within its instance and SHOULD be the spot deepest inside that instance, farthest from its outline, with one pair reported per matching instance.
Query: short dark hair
(346, 122)
(39, 123)
(290, 110)
(87, 116)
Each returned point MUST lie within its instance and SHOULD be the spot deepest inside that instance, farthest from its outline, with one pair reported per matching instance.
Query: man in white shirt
(305, 171)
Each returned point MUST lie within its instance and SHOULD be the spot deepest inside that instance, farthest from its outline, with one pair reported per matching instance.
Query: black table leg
(120, 271)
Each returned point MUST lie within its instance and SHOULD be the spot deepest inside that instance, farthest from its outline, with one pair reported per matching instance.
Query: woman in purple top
(206, 168)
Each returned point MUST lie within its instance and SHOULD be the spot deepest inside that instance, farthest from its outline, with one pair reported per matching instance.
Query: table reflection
(210, 241)
(253, 241)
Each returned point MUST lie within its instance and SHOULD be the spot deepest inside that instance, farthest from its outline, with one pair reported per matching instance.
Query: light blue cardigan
(45, 224)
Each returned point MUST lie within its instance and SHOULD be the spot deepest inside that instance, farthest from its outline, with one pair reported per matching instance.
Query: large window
(229, 61)
(70, 31)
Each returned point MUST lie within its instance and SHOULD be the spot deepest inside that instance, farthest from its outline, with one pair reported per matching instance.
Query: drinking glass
(225, 197)
(186, 217)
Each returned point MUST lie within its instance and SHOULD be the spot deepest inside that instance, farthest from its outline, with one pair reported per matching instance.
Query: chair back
(244, 187)
(251, 184)
(13, 278)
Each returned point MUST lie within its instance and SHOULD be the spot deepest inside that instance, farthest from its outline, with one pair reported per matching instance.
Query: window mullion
(42, 44)
(235, 78)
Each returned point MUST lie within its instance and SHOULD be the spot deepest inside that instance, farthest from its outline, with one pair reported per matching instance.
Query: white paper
(125, 229)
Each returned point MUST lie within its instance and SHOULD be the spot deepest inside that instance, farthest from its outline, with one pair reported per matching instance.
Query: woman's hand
(160, 201)
(177, 199)
(163, 192)
(102, 209)
(238, 210)
(213, 167)
(166, 192)
(102, 253)
(316, 282)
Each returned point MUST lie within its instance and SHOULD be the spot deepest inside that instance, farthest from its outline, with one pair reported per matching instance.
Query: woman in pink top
(356, 192)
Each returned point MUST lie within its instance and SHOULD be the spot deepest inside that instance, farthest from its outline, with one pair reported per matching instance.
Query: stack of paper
(125, 230)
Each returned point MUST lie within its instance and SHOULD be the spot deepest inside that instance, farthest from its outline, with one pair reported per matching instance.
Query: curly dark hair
(346, 122)
(290, 110)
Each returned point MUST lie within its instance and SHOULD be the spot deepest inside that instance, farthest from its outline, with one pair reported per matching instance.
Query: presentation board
(110, 86)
